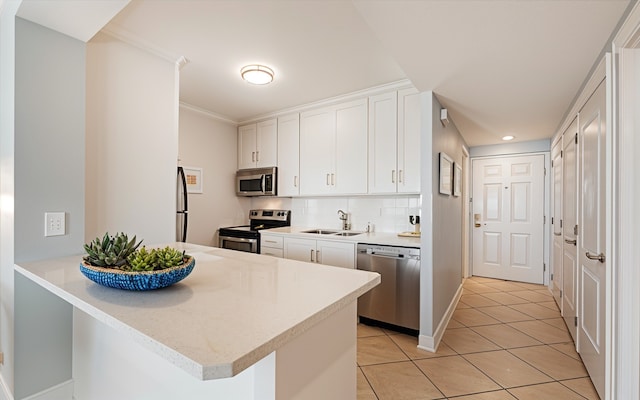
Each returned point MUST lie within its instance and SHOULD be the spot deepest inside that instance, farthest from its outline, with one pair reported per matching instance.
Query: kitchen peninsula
(244, 326)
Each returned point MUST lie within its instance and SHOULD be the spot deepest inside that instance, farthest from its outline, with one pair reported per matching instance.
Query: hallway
(506, 341)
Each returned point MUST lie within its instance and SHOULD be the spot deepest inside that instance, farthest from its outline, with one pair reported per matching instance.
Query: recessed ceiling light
(257, 74)
(508, 137)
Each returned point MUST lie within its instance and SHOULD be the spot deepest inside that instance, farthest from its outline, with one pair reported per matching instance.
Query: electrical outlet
(54, 224)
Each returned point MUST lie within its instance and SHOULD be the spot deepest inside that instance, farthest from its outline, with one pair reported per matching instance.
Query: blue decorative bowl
(138, 280)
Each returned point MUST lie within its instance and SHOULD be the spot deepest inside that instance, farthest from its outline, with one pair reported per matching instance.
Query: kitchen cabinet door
(300, 249)
(317, 151)
(339, 254)
(247, 146)
(258, 145)
(267, 143)
(350, 176)
(409, 123)
(289, 155)
(383, 135)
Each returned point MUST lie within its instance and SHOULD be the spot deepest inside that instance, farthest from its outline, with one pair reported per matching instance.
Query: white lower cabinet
(327, 252)
(271, 245)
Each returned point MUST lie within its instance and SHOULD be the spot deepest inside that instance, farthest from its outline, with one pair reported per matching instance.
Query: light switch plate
(54, 224)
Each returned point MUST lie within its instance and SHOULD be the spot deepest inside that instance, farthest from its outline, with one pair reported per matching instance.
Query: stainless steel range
(247, 237)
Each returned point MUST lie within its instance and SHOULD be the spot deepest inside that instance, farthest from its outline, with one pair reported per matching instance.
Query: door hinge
(552, 277)
(544, 267)
(560, 223)
(575, 230)
(545, 171)
(551, 163)
(551, 220)
(575, 321)
(576, 139)
(544, 220)
(561, 294)
(561, 153)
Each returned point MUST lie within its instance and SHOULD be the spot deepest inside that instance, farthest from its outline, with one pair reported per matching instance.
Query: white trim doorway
(466, 219)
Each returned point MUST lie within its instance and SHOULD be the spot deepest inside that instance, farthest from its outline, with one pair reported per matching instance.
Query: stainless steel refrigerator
(182, 212)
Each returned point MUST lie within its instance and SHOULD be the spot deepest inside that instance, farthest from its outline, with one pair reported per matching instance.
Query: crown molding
(207, 113)
(124, 35)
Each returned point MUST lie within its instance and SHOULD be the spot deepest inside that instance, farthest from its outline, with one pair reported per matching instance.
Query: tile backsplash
(384, 213)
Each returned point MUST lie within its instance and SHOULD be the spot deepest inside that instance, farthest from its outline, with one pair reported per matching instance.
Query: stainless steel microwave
(256, 182)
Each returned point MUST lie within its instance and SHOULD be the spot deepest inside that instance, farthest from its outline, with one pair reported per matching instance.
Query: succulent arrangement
(118, 252)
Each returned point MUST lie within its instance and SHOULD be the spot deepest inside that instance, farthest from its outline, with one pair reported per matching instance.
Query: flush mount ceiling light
(508, 137)
(257, 74)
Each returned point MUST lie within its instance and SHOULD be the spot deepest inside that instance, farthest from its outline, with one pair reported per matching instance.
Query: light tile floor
(506, 341)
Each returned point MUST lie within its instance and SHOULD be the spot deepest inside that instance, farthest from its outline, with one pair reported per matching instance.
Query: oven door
(240, 244)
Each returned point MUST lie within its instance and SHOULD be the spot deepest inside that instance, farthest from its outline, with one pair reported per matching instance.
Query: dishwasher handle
(394, 256)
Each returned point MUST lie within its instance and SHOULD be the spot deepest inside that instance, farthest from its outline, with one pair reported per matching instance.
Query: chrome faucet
(344, 217)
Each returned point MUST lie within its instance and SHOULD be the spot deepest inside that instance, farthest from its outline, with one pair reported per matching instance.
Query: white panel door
(300, 249)
(592, 240)
(508, 201)
(556, 223)
(569, 233)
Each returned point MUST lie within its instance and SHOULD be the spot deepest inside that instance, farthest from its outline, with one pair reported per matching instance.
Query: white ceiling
(499, 66)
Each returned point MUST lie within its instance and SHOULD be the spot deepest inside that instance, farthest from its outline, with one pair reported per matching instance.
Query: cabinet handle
(253, 156)
(400, 176)
(328, 179)
(318, 256)
(295, 181)
(333, 180)
(257, 156)
(312, 260)
(573, 242)
(600, 257)
(393, 176)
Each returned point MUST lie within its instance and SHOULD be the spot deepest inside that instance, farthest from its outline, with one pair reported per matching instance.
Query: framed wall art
(194, 179)
(457, 179)
(446, 170)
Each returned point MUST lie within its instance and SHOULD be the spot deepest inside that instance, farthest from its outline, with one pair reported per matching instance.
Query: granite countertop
(379, 238)
(234, 308)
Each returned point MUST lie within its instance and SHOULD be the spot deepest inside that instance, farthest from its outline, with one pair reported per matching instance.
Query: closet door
(592, 238)
(569, 232)
(556, 223)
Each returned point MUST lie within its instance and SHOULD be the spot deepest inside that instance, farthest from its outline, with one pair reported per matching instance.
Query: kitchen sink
(321, 231)
(348, 233)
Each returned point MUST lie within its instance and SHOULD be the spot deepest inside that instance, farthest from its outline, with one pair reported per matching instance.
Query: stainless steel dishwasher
(396, 300)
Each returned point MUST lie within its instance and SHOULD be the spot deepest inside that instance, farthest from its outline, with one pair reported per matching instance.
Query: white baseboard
(62, 391)
(5, 393)
(430, 343)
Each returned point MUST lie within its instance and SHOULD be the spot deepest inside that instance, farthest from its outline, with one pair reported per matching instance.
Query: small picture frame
(446, 170)
(457, 179)
(194, 179)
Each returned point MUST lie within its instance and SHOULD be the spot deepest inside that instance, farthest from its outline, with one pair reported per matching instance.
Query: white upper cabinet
(258, 144)
(289, 155)
(409, 123)
(394, 142)
(332, 155)
(383, 143)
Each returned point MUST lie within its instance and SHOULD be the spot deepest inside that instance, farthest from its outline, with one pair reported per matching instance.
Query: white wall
(441, 266)
(132, 142)
(8, 10)
(49, 141)
(209, 143)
